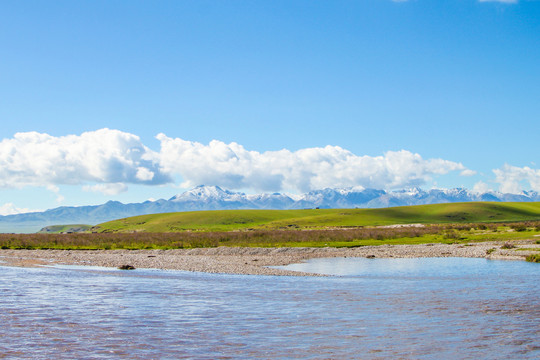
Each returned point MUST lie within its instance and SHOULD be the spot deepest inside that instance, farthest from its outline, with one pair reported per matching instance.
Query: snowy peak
(206, 193)
(215, 198)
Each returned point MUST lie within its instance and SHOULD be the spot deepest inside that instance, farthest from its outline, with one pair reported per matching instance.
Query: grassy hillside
(58, 229)
(229, 220)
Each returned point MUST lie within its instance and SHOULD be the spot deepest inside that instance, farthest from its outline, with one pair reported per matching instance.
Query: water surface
(386, 308)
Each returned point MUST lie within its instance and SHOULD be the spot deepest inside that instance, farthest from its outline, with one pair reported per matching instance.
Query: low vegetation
(351, 237)
(440, 223)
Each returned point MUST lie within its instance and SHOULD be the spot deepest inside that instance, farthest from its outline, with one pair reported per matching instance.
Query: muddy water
(378, 308)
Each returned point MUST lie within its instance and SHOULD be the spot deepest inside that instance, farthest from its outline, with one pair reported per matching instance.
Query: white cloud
(467, 172)
(55, 189)
(107, 160)
(512, 178)
(102, 156)
(11, 209)
(107, 189)
(143, 174)
(481, 187)
(234, 167)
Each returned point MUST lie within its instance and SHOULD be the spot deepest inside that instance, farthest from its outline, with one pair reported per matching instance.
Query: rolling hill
(215, 198)
(230, 220)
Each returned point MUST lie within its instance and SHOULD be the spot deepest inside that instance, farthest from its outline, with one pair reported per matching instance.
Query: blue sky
(130, 100)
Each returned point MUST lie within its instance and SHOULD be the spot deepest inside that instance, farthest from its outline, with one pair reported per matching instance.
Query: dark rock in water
(370, 256)
(126, 267)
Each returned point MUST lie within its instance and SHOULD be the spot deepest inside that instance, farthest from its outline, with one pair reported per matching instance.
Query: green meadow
(442, 223)
(231, 220)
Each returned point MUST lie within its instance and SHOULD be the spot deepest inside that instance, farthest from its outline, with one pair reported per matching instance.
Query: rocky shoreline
(255, 261)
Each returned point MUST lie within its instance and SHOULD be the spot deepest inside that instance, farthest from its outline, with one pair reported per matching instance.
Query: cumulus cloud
(512, 178)
(234, 167)
(107, 161)
(481, 187)
(104, 157)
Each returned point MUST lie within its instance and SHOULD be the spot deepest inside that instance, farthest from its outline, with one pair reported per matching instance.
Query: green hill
(59, 229)
(230, 220)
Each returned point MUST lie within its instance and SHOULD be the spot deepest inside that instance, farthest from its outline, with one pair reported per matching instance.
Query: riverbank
(255, 261)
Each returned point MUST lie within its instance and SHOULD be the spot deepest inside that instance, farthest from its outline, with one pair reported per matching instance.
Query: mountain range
(215, 198)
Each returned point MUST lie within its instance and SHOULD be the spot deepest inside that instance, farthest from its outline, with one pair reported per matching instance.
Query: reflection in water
(397, 308)
(424, 267)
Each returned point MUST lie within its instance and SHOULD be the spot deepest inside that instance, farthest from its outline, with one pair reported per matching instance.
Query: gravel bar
(255, 261)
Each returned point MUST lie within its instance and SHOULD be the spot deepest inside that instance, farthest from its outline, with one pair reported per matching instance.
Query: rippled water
(398, 308)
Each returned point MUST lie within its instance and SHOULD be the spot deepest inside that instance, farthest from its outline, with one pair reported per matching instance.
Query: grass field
(443, 223)
(449, 233)
(230, 220)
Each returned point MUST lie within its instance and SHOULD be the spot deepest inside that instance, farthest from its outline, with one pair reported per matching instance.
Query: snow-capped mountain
(215, 198)
(272, 201)
(209, 198)
(204, 193)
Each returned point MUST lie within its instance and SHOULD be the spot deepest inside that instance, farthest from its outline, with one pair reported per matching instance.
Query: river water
(377, 309)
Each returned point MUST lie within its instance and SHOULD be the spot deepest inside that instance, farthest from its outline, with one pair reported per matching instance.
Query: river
(376, 309)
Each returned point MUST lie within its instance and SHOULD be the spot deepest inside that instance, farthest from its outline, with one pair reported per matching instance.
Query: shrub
(450, 235)
(518, 227)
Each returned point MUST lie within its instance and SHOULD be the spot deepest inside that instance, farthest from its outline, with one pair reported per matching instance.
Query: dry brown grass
(204, 239)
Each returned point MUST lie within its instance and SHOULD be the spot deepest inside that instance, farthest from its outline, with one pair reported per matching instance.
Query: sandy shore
(254, 261)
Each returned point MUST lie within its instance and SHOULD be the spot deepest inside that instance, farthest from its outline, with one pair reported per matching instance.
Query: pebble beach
(256, 261)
